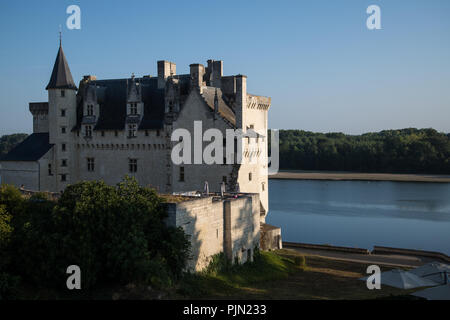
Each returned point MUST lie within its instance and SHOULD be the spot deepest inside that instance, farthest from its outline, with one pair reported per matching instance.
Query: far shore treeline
(390, 151)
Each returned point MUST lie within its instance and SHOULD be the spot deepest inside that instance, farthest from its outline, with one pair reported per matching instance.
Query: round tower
(62, 116)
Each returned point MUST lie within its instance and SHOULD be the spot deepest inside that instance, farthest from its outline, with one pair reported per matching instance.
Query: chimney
(89, 78)
(241, 100)
(214, 72)
(197, 72)
(165, 70)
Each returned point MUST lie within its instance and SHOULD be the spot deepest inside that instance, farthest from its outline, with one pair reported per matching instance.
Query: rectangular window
(182, 174)
(157, 133)
(63, 147)
(132, 130)
(90, 110)
(64, 163)
(103, 133)
(116, 133)
(133, 108)
(132, 165)
(50, 169)
(249, 176)
(63, 93)
(146, 133)
(88, 131)
(262, 186)
(90, 164)
(63, 112)
(63, 129)
(63, 177)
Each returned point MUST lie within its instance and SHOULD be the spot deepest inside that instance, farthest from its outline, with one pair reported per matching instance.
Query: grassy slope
(275, 276)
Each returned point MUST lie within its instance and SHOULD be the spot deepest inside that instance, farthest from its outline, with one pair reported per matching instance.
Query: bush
(5, 236)
(11, 199)
(34, 241)
(8, 286)
(218, 264)
(114, 234)
(117, 232)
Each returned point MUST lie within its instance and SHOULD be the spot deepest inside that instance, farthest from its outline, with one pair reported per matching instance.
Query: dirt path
(387, 260)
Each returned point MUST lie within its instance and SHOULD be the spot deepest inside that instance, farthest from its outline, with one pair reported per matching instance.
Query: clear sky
(323, 68)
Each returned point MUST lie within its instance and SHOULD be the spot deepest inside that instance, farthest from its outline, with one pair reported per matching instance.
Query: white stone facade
(88, 141)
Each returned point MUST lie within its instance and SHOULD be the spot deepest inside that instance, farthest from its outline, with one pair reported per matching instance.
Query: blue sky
(324, 70)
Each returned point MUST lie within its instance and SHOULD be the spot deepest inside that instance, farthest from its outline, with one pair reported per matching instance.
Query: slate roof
(32, 148)
(225, 111)
(112, 98)
(61, 77)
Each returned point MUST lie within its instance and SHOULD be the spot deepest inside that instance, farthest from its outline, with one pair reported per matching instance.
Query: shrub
(8, 286)
(11, 198)
(5, 236)
(34, 242)
(114, 234)
(218, 264)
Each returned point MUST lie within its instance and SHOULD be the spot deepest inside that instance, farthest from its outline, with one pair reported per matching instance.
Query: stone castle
(106, 129)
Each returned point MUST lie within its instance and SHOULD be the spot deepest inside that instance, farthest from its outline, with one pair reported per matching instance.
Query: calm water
(362, 213)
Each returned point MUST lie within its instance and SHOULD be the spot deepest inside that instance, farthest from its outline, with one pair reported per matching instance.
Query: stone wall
(20, 173)
(216, 225)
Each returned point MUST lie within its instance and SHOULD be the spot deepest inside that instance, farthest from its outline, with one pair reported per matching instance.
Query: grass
(279, 275)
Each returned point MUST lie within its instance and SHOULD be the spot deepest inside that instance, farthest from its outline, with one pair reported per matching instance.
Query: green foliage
(5, 236)
(34, 243)
(7, 142)
(5, 228)
(222, 278)
(8, 283)
(407, 150)
(115, 234)
(11, 199)
(9, 286)
(218, 264)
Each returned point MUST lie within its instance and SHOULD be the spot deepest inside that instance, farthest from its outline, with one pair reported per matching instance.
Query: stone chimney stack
(197, 73)
(214, 73)
(165, 70)
(241, 101)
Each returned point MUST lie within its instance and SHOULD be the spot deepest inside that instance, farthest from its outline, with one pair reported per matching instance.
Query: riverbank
(359, 176)
(281, 275)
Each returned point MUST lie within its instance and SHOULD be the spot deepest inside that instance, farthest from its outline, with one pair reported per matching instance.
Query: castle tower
(62, 118)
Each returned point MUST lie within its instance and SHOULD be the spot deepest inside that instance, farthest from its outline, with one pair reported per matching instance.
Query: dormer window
(133, 108)
(90, 110)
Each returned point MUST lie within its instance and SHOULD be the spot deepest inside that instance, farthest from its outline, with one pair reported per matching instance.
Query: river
(362, 213)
